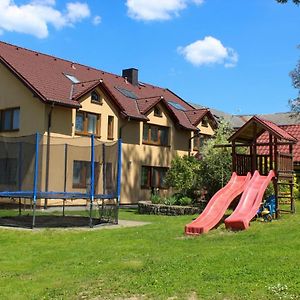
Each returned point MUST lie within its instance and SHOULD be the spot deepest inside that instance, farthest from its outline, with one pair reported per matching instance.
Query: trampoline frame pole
(92, 188)
(35, 179)
(119, 176)
(20, 174)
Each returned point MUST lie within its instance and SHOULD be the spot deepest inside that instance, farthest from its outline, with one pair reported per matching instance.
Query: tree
(216, 163)
(183, 175)
(210, 173)
(295, 75)
(297, 2)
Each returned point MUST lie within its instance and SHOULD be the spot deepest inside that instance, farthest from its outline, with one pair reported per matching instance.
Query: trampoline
(45, 168)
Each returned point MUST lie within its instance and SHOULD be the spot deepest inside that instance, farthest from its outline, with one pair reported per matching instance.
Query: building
(59, 98)
(288, 121)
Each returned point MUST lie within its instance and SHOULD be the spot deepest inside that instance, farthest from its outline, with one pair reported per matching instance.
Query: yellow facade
(34, 117)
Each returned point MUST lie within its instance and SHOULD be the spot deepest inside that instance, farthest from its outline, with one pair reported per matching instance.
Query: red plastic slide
(216, 207)
(250, 202)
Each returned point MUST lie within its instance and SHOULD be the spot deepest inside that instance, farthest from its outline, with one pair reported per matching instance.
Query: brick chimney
(132, 75)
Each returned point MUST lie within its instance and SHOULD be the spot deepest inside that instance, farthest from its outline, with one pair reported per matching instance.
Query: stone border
(146, 207)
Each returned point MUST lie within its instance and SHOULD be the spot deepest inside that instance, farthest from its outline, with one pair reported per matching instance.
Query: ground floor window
(8, 170)
(82, 173)
(153, 177)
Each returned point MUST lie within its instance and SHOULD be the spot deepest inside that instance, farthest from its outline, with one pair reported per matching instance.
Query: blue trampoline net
(41, 167)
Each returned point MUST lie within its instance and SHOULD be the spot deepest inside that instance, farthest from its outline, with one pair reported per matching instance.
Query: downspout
(48, 152)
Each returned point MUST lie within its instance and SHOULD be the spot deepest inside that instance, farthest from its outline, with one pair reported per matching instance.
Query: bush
(184, 201)
(156, 199)
(296, 189)
(183, 175)
(170, 200)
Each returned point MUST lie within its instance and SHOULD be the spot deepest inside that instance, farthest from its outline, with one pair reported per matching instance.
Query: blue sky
(233, 55)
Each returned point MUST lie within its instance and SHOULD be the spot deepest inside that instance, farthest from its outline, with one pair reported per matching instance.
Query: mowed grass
(155, 261)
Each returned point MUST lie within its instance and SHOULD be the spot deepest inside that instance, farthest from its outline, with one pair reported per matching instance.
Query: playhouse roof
(63, 82)
(291, 129)
(256, 126)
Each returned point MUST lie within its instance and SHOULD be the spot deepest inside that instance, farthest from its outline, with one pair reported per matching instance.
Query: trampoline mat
(48, 221)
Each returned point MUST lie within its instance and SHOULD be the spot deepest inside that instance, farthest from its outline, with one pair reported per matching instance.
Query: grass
(155, 261)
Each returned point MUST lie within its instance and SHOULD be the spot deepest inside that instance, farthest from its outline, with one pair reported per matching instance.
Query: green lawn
(155, 261)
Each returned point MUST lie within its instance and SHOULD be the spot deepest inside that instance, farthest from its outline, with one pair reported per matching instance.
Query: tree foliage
(183, 175)
(285, 1)
(295, 75)
(216, 163)
(210, 173)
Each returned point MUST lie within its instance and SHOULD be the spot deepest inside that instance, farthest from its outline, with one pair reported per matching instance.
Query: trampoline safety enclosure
(43, 167)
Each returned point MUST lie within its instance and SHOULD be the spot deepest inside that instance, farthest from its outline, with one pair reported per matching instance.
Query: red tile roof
(46, 76)
(196, 115)
(280, 131)
(245, 133)
(293, 130)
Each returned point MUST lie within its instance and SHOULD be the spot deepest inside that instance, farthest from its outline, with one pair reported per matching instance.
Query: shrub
(156, 199)
(296, 189)
(184, 201)
(183, 175)
(170, 200)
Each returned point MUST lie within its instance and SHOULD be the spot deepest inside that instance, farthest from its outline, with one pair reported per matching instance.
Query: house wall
(34, 117)
(15, 94)
(136, 154)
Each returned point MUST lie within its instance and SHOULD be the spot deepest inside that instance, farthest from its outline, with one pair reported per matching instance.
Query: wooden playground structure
(268, 147)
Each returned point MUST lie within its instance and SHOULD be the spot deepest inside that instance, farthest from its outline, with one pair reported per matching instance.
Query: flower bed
(146, 207)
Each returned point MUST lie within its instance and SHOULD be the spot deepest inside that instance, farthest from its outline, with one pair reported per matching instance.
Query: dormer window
(157, 112)
(204, 122)
(95, 98)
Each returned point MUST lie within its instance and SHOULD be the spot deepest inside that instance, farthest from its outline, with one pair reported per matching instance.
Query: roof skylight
(72, 78)
(176, 105)
(126, 93)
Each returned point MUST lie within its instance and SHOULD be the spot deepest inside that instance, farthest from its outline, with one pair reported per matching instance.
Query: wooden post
(254, 151)
(275, 181)
(293, 210)
(271, 151)
(234, 166)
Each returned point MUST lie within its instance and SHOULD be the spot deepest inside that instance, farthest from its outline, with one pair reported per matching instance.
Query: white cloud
(77, 11)
(35, 16)
(97, 20)
(151, 10)
(209, 51)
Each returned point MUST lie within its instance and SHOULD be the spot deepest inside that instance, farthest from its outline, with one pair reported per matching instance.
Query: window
(82, 173)
(72, 78)
(204, 122)
(87, 123)
(95, 98)
(126, 93)
(155, 135)
(176, 105)
(10, 119)
(157, 112)
(199, 142)
(153, 177)
(110, 128)
(8, 173)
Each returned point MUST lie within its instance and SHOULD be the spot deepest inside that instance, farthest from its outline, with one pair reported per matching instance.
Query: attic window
(177, 105)
(72, 78)
(126, 93)
(157, 112)
(204, 122)
(95, 98)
